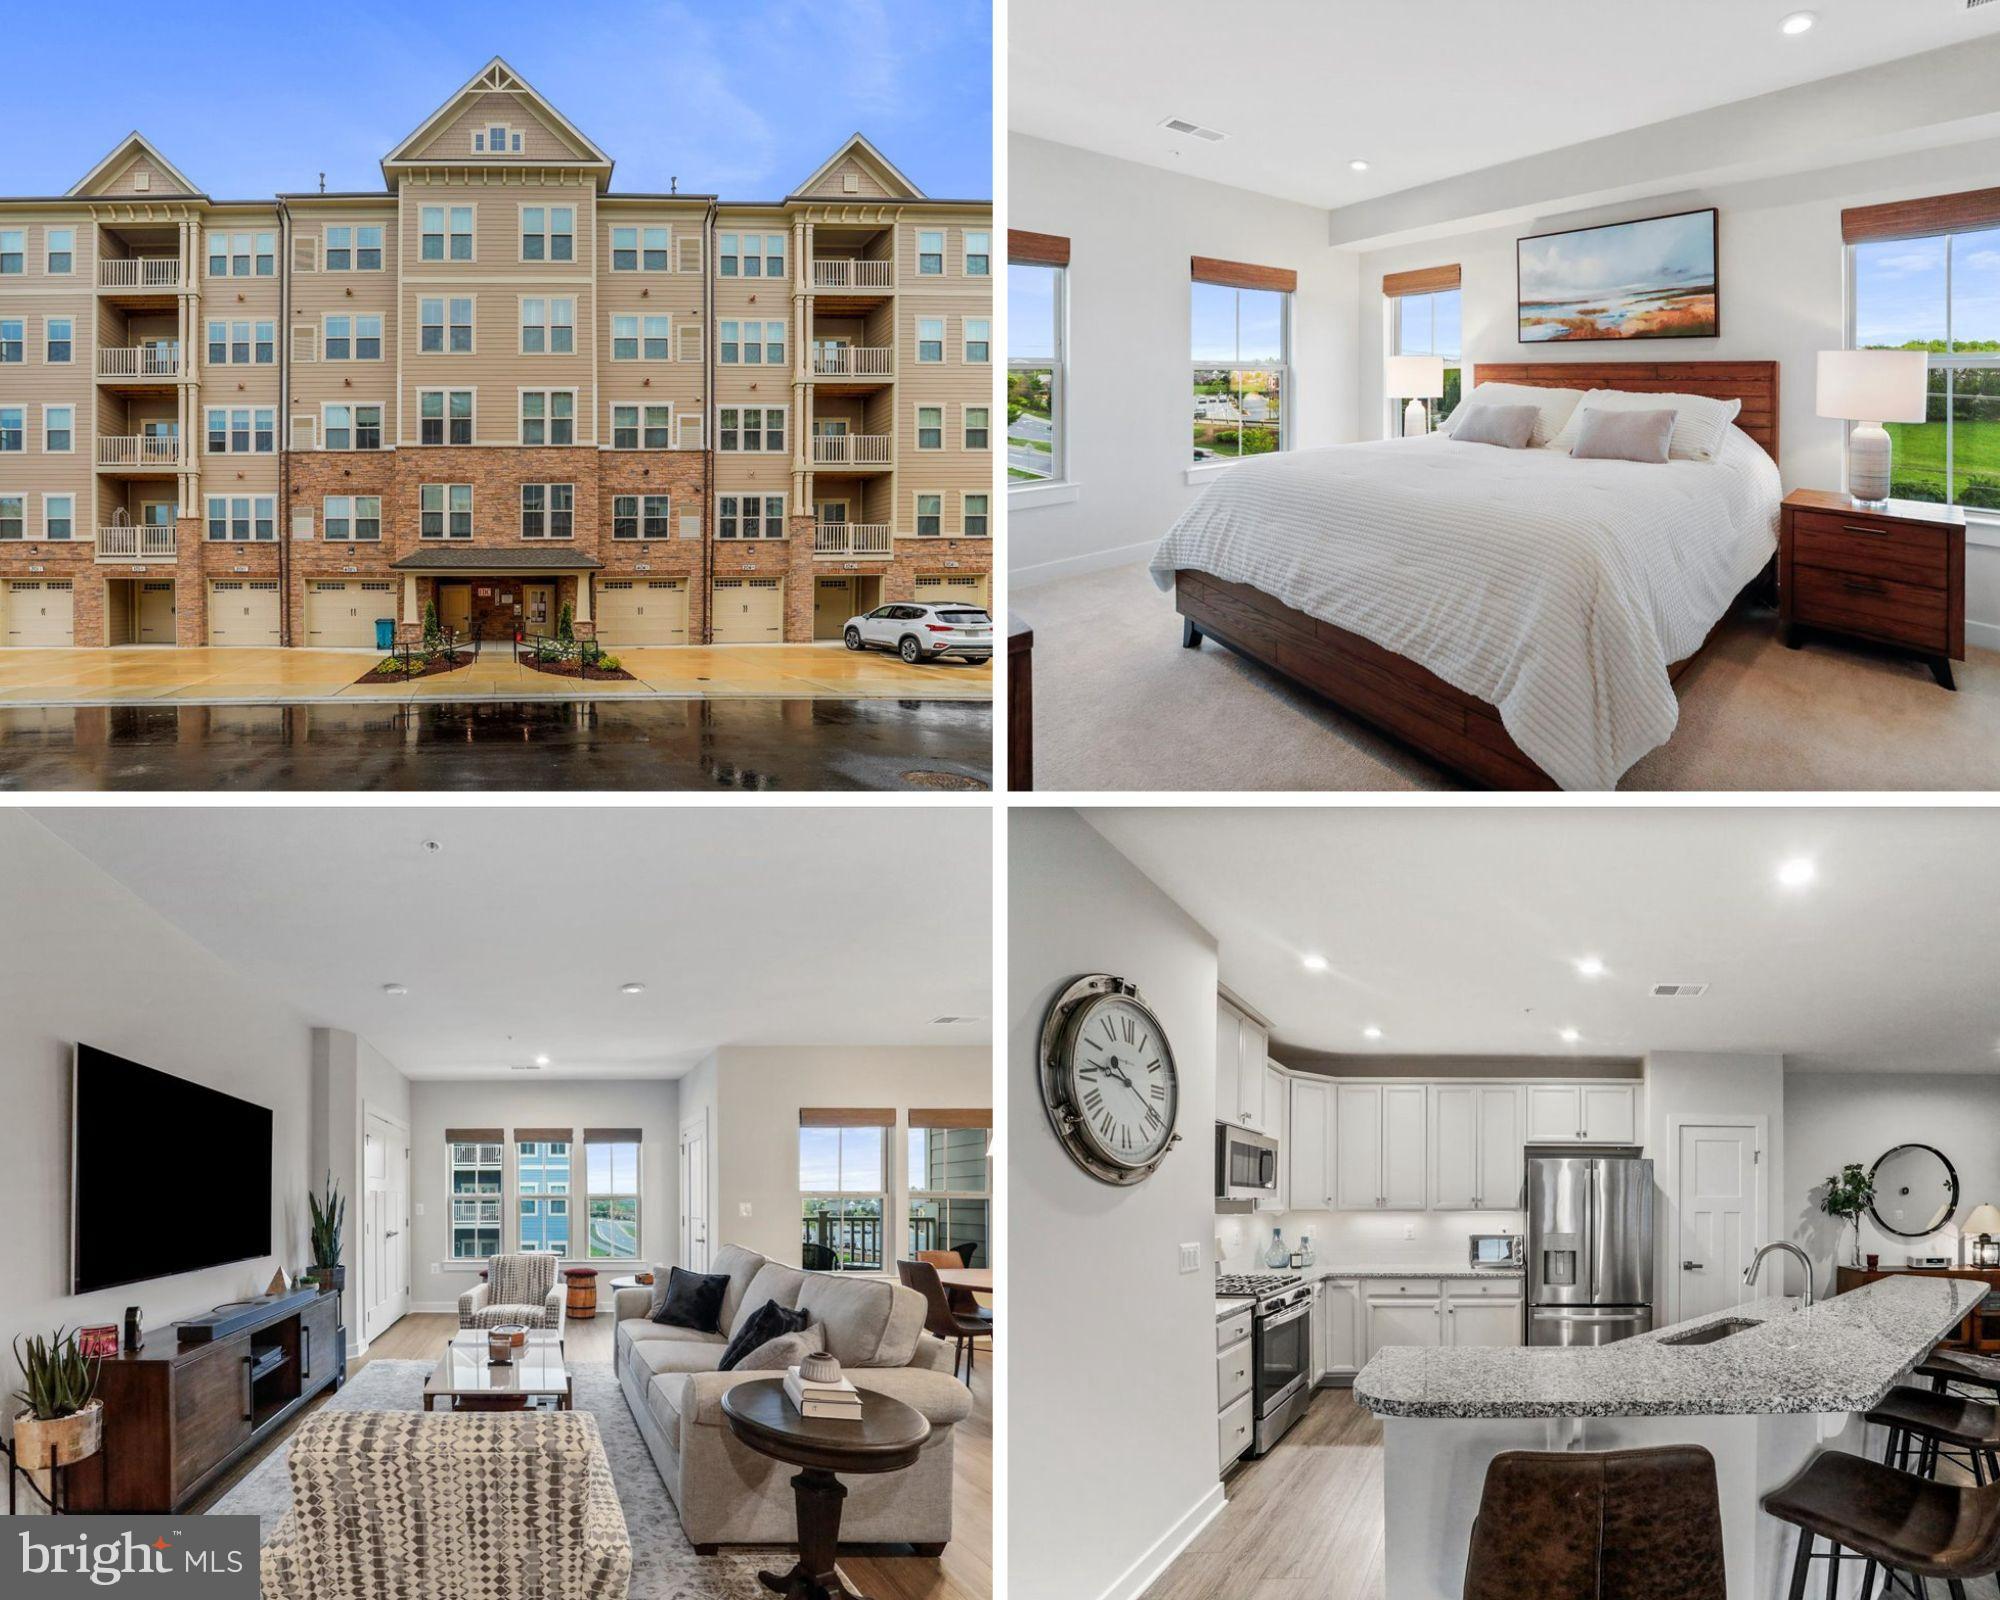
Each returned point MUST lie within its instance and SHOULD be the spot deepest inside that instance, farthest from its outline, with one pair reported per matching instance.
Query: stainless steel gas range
(1280, 1351)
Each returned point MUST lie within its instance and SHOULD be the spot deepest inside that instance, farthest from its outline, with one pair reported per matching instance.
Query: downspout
(284, 420)
(708, 529)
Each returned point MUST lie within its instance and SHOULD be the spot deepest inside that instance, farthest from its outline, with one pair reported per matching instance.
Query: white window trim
(548, 414)
(916, 519)
(72, 321)
(965, 357)
(943, 342)
(473, 324)
(47, 496)
(480, 141)
(548, 232)
(1029, 494)
(964, 423)
(446, 392)
(918, 252)
(446, 536)
(548, 326)
(963, 495)
(253, 409)
(64, 405)
(762, 342)
(548, 510)
(27, 348)
(22, 407)
(672, 332)
(759, 495)
(917, 410)
(208, 516)
(448, 259)
(763, 430)
(48, 250)
(615, 226)
(966, 252)
(353, 406)
(637, 1195)
(350, 539)
(353, 248)
(675, 415)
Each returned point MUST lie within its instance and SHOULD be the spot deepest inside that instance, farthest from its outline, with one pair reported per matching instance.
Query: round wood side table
(886, 1439)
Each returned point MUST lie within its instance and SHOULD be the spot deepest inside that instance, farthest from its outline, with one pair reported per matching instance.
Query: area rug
(664, 1564)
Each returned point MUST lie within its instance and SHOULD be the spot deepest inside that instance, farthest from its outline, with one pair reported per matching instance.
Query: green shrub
(433, 634)
(566, 624)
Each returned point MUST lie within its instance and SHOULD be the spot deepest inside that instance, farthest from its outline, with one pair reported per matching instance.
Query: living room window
(951, 1183)
(542, 1188)
(477, 1180)
(843, 1188)
(611, 1187)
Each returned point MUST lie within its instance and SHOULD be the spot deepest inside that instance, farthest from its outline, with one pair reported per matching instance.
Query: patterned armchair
(517, 1289)
(455, 1505)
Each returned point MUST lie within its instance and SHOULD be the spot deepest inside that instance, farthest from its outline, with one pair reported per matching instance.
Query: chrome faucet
(1756, 1261)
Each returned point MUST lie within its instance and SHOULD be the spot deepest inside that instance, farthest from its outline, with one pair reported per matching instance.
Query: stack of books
(839, 1400)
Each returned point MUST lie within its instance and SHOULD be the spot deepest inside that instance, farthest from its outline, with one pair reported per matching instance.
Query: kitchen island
(1761, 1398)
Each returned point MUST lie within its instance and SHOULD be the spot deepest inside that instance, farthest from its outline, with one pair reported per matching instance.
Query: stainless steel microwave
(1246, 1168)
(1497, 1250)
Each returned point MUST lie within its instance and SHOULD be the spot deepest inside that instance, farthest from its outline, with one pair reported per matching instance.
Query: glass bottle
(1277, 1255)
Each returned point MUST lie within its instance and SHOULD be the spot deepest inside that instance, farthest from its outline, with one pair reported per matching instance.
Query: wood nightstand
(1894, 574)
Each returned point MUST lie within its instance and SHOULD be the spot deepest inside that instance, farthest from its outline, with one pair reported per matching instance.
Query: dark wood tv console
(176, 1415)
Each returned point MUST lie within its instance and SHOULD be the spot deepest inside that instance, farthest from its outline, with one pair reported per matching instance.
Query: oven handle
(1303, 1309)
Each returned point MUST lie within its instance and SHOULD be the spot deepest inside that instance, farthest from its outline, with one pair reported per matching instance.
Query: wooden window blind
(543, 1135)
(474, 1135)
(1242, 274)
(1914, 219)
(1424, 280)
(847, 1117)
(1037, 249)
(614, 1135)
(959, 1117)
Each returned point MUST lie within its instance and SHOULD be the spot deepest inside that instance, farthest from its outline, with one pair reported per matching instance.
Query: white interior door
(385, 1256)
(694, 1195)
(1719, 1201)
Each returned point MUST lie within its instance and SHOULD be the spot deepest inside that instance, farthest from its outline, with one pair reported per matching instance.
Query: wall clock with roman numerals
(1109, 1083)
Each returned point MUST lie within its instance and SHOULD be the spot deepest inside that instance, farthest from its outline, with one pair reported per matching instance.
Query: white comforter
(1557, 590)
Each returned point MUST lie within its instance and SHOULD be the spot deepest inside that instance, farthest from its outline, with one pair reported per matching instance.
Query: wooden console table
(1980, 1331)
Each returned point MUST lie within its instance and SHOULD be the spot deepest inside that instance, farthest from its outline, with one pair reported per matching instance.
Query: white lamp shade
(1984, 1219)
(1415, 377)
(1874, 385)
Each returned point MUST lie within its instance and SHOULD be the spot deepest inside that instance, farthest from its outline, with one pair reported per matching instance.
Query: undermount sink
(1713, 1331)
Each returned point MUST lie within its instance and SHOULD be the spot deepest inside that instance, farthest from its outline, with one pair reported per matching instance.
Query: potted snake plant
(63, 1422)
(328, 1216)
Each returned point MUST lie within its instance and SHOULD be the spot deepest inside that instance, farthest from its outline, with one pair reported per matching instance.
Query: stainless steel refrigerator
(1590, 1248)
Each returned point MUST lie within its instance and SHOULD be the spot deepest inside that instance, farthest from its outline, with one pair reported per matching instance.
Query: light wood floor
(963, 1572)
(1304, 1523)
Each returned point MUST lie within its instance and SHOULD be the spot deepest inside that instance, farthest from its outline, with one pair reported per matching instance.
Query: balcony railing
(853, 539)
(140, 272)
(853, 361)
(141, 361)
(139, 450)
(842, 1244)
(135, 542)
(851, 449)
(842, 273)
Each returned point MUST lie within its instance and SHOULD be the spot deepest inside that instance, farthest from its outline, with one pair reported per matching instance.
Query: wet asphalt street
(739, 745)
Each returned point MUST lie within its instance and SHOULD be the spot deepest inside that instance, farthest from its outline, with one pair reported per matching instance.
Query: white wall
(84, 960)
(699, 1098)
(1132, 230)
(350, 1078)
(1783, 292)
(1833, 1118)
(1111, 1377)
(1362, 1238)
(652, 1104)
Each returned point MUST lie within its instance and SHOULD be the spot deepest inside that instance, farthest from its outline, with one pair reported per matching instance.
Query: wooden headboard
(1755, 383)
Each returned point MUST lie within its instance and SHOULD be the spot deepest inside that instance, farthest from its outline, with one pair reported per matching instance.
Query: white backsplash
(1364, 1238)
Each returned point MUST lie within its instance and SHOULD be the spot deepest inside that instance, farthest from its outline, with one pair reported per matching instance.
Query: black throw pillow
(767, 1322)
(694, 1300)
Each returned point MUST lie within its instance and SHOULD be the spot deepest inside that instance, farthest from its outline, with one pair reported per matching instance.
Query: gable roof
(496, 77)
(133, 144)
(858, 146)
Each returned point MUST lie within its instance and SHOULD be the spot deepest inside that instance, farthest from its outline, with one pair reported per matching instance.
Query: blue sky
(1900, 289)
(744, 99)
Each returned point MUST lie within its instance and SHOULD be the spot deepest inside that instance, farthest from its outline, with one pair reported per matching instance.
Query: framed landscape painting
(1651, 279)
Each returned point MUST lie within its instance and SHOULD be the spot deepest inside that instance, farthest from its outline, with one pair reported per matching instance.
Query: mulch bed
(569, 669)
(429, 669)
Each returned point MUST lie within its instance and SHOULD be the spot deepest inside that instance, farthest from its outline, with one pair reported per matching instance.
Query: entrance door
(454, 603)
(156, 612)
(694, 1194)
(385, 1254)
(538, 607)
(833, 604)
(1719, 1200)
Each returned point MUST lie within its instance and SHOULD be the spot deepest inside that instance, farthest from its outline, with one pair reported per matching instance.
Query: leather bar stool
(1933, 1423)
(1893, 1520)
(1980, 1374)
(1589, 1524)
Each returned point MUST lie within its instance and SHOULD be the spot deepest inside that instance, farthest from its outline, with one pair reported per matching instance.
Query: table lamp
(1869, 388)
(1415, 379)
(1983, 1249)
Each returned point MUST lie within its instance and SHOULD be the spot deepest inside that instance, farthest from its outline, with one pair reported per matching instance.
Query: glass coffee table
(467, 1381)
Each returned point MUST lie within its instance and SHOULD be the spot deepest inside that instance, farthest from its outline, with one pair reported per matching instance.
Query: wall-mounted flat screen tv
(166, 1176)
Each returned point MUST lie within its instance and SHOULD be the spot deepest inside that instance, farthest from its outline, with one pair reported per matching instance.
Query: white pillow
(1700, 423)
(1555, 406)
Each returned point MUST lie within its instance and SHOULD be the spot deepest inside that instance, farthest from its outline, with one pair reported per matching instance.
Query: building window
(496, 140)
(611, 1176)
(368, 337)
(930, 427)
(541, 1190)
(1937, 295)
(445, 233)
(338, 344)
(1426, 325)
(634, 249)
(239, 255)
(1238, 339)
(13, 516)
(975, 518)
(657, 430)
(548, 416)
(548, 327)
(58, 429)
(749, 516)
(930, 339)
(444, 416)
(58, 516)
(750, 255)
(753, 344)
(658, 338)
(242, 430)
(655, 253)
(13, 429)
(930, 515)
(751, 428)
(548, 233)
(978, 428)
(445, 326)
(476, 1183)
(444, 510)
(61, 340)
(350, 427)
(353, 248)
(978, 339)
(355, 517)
(61, 248)
(624, 338)
(641, 516)
(930, 254)
(951, 1185)
(843, 1190)
(13, 340)
(13, 252)
(548, 510)
(624, 249)
(240, 519)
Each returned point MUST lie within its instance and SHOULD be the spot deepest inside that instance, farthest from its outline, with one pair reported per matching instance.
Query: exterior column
(410, 611)
(583, 597)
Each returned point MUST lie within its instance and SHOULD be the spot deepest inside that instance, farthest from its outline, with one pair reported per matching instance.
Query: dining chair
(939, 1317)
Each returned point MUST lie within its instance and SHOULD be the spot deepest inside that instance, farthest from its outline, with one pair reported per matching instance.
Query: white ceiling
(1421, 89)
(748, 924)
(1455, 929)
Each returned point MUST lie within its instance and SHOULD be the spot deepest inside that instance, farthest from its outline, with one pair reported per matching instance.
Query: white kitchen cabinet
(1276, 1096)
(1235, 1405)
(1610, 1113)
(1338, 1329)
(1463, 1312)
(1254, 1043)
(1398, 1312)
(1309, 1145)
(1357, 1157)
(1455, 1147)
(1483, 1314)
(1405, 1119)
(1555, 1113)
(1583, 1113)
(1501, 1168)
(1233, 1429)
(1241, 1048)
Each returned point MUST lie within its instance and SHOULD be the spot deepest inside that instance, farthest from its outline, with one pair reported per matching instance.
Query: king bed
(1518, 616)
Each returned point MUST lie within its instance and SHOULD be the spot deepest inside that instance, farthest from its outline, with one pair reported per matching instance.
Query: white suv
(919, 632)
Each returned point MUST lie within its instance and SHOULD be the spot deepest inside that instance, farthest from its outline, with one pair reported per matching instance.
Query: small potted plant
(1847, 1196)
(63, 1422)
(328, 1215)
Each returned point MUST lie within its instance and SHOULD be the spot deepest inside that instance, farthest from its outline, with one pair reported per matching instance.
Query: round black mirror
(1916, 1191)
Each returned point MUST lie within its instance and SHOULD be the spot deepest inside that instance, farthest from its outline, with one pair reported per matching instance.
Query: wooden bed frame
(1458, 731)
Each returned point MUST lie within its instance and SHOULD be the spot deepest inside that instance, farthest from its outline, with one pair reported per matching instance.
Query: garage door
(341, 612)
(952, 588)
(243, 611)
(636, 611)
(749, 610)
(40, 611)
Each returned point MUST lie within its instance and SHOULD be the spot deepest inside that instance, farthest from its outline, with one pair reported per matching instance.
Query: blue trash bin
(385, 633)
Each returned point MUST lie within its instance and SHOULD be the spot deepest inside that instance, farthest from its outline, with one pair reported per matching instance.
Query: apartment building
(496, 387)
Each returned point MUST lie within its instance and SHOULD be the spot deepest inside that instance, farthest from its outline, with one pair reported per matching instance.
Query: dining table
(977, 1279)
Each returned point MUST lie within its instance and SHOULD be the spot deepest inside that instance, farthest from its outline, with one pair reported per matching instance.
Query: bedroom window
(1036, 324)
(1941, 295)
(1239, 338)
(1426, 325)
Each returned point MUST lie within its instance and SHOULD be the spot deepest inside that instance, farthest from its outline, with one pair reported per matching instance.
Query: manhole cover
(940, 780)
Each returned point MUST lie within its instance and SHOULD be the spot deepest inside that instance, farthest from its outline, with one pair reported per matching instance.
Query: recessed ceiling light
(395, 989)
(1357, 166)
(1313, 963)
(541, 1061)
(432, 846)
(1799, 22)
(631, 988)
(1797, 872)
(1569, 1036)
(1589, 967)
(1371, 1032)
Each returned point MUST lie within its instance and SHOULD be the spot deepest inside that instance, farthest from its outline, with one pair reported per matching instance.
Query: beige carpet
(1120, 705)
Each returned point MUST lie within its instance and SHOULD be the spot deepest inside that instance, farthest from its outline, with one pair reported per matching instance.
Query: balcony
(841, 272)
(140, 274)
(135, 542)
(140, 365)
(854, 361)
(853, 539)
(852, 449)
(140, 452)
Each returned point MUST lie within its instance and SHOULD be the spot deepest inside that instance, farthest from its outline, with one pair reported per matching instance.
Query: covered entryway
(39, 611)
(835, 600)
(953, 588)
(642, 611)
(498, 595)
(341, 612)
(139, 611)
(749, 611)
(454, 605)
(242, 611)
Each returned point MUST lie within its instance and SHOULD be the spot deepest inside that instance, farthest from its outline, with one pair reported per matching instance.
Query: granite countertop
(1225, 1309)
(1379, 1269)
(1840, 1356)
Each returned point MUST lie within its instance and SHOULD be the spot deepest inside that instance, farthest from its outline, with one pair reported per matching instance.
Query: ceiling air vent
(1678, 991)
(1182, 125)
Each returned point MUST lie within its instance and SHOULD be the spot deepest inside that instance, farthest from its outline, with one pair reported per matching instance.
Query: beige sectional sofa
(727, 1493)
